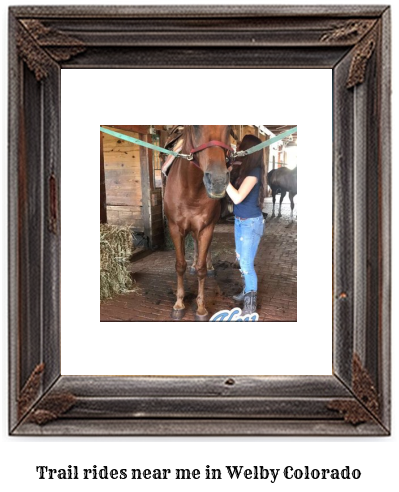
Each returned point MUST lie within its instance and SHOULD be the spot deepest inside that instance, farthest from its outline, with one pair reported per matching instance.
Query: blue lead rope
(241, 153)
(142, 143)
(266, 143)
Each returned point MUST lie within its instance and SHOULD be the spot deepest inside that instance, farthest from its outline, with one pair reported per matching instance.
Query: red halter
(212, 143)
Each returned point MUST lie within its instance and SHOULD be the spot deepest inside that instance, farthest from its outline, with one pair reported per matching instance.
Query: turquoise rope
(256, 148)
(267, 143)
(139, 142)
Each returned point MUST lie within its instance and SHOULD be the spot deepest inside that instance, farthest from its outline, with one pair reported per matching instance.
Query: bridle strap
(211, 143)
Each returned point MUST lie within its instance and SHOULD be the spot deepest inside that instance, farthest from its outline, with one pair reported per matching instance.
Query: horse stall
(132, 195)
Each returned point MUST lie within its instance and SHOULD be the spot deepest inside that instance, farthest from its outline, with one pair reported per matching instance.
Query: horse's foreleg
(193, 266)
(204, 243)
(283, 193)
(292, 205)
(181, 265)
(211, 272)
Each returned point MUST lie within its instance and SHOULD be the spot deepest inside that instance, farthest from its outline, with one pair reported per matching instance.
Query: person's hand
(230, 169)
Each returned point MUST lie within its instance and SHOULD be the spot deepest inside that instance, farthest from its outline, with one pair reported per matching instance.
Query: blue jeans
(247, 236)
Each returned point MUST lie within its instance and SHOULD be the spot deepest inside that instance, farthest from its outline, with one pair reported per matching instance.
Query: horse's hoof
(211, 273)
(177, 314)
(192, 271)
(202, 317)
(279, 215)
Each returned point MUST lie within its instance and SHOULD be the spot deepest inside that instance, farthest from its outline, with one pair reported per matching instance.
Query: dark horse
(192, 204)
(282, 180)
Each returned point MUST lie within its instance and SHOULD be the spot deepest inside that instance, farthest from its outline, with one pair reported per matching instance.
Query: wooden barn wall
(157, 226)
(123, 182)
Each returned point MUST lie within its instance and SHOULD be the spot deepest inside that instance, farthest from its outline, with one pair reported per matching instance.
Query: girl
(247, 195)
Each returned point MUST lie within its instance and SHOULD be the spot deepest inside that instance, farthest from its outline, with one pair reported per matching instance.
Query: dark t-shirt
(248, 208)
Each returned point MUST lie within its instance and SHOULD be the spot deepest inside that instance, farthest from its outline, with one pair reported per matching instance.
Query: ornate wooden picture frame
(352, 41)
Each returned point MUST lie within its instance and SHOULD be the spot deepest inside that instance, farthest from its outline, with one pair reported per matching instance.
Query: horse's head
(211, 160)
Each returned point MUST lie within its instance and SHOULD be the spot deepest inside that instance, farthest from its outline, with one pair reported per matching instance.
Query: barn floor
(276, 266)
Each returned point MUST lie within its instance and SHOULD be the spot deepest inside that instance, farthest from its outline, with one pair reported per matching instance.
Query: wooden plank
(385, 146)
(118, 180)
(132, 209)
(121, 215)
(134, 213)
(343, 221)
(125, 220)
(103, 199)
(128, 159)
(127, 154)
(247, 30)
(120, 146)
(115, 183)
(112, 143)
(131, 187)
(141, 129)
(205, 386)
(137, 225)
(200, 56)
(122, 201)
(31, 227)
(217, 16)
(195, 408)
(132, 198)
(146, 168)
(123, 176)
(122, 171)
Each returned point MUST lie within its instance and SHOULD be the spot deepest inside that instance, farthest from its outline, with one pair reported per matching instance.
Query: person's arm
(239, 195)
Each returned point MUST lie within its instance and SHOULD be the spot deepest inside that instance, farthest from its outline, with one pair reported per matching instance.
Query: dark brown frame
(353, 41)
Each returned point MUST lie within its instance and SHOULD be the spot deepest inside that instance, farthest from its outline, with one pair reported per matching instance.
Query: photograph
(198, 222)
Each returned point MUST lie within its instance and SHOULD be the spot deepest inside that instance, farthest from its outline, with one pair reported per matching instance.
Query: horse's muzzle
(216, 184)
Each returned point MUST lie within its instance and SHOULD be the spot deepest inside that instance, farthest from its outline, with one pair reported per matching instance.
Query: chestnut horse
(192, 203)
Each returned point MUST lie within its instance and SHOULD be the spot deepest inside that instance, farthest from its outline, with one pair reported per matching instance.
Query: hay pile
(116, 246)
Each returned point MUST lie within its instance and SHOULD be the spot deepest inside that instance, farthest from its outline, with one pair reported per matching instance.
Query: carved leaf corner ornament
(30, 390)
(38, 46)
(352, 30)
(367, 405)
(363, 32)
(49, 408)
(363, 53)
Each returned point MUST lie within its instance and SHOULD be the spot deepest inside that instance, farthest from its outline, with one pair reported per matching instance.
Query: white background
(194, 348)
(376, 457)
